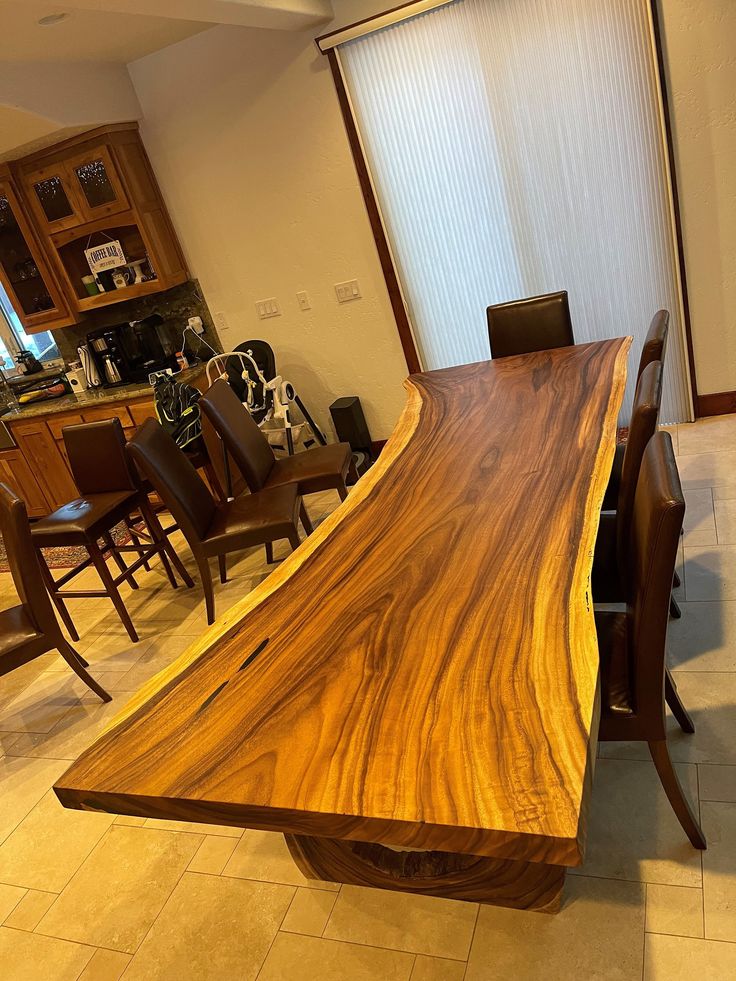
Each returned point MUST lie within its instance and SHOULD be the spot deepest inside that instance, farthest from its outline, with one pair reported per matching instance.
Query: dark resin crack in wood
(422, 672)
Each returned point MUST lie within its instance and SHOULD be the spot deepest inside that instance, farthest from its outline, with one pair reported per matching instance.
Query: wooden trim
(661, 71)
(379, 233)
(715, 404)
(376, 22)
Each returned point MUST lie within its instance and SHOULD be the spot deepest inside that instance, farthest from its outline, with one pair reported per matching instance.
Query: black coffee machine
(128, 353)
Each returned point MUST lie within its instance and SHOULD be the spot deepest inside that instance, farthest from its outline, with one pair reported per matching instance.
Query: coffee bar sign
(107, 256)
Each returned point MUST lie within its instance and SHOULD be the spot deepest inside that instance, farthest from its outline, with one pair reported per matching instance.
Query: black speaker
(350, 424)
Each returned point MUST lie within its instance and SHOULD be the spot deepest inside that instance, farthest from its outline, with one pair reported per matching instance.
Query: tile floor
(92, 896)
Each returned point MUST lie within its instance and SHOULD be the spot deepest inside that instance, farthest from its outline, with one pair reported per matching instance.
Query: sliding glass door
(516, 148)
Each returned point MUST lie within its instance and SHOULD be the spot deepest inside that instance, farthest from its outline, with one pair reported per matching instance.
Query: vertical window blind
(516, 147)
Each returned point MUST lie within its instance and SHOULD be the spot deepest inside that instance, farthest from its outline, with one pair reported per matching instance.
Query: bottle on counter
(181, 360)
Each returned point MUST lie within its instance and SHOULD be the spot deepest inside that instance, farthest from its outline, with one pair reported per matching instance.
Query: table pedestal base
(498, 882)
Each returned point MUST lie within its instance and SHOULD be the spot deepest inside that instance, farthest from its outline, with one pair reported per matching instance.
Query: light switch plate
(221, 321)
(302, 298)
(268, 308)
(347, 291)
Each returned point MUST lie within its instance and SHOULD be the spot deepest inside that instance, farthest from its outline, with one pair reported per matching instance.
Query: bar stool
(109, 495)
(537, 323)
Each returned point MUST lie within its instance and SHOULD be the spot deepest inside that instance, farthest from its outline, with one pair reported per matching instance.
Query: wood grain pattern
(423, 670)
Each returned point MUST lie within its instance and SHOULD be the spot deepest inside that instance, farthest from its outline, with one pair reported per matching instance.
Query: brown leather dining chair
(634, 677)
(655, 345)
(211, 528)
(537, 323)
(317, 469)
(30, 629)
(109, 495)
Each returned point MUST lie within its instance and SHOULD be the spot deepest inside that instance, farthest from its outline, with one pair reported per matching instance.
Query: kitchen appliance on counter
(129, 353)
(28, 363)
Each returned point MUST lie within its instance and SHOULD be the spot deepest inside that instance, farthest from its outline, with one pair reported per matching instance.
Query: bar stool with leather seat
(655, 345)
(211, 528)
(316, 469)
(537, 323)
(30, 629)
(109, 495)
(634, 677)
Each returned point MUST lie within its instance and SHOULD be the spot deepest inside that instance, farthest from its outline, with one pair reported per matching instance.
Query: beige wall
(245, 135)
(244, 131)
(700, 44)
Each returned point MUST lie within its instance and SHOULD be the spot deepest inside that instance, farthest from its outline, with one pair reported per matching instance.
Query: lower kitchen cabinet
(15, 472)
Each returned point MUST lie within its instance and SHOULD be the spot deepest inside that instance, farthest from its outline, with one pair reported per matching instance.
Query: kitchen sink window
(14, 339)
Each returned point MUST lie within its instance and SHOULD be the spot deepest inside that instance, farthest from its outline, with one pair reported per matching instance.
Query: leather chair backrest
(659, 507)
(96, 452)
(655, 343)
(174, 479)
(244, 440)
(644, 420)
(535, 324)
(23, 561)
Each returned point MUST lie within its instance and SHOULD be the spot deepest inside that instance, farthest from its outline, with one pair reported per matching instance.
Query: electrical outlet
(196, 324)
(221, 322)
(347, 291)
(268, 308)
(303, 300)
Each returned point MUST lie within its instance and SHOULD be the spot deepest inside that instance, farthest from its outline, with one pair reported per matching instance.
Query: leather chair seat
(616, 682)
(316, 469)
(80, 516)
(605, 583)
(251, 518)
(16, 629)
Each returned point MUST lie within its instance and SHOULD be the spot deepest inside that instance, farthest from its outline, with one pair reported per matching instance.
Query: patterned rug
(67, 558)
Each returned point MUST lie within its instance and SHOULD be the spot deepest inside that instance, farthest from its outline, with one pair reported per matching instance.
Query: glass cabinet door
(95, 178)
(52, 198)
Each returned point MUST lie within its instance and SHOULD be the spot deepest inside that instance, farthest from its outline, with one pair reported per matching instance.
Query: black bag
(178, 411)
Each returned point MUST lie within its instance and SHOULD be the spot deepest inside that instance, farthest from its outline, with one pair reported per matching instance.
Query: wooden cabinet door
(53, 198)
(96, 183)
(24, 271)
(15, 472)
(48, 465)
(140, 411)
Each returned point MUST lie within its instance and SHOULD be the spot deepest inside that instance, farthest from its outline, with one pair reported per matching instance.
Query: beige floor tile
(725, 516)
(699, 525)
(29, 911)
(674, 909)
(710, 698)
(121, 888)
(130, 820)
(263, 855)
(10, 896)
(298, 958)
(710, 434)
(43, 703)
(7, 740)
(75, 731)
(213, 854)
(106, 965)
(710, 572)
(50, 844)
(437, 969)
(719, 870)
(212, 927)
(717, 782)
(684, 958)
(30, 957)
(309, 912)
(402, 921)
(704, 639)
(632, 830)
(115, 651)
(24, 782)
(708, 469)
(597, 936)
(725, 491)
(221, 830)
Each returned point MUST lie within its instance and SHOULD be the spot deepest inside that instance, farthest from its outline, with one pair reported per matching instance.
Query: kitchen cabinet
(25, 272)
(15, 472)
(35, 441)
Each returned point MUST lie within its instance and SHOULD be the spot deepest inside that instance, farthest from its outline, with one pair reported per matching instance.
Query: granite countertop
(93, 397)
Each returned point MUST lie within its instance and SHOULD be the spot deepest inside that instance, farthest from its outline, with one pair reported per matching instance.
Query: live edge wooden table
(411, 698)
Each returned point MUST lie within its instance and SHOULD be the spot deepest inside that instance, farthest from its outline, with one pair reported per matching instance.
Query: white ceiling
(85, 35)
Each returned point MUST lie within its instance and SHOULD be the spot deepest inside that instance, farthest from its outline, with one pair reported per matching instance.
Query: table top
(423, 670)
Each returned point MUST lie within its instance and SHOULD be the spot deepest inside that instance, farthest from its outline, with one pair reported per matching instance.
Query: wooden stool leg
(117, 558)
(209, 595)
(130, 525)
(294, 540)
(158, 534)
(222, 562)
(269, 552)
(342, 490)
(75, 663)
(677, 708)
(306, 521)
(56, 598)
(675, 611)
(675, 580)
(675, 795)
(112, 590)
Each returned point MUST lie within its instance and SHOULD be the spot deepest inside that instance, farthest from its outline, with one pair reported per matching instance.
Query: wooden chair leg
(269, 552)
(675, 580)
(675, 795)
(76, 663)
(342, 490)
(130, 525)
(294, 539)
(222, 562)
(58, 602)
(676, 707)
(112, 590)
(209, 596)
(305, 519)
(117, 558)
(157, 532)
(675, 611)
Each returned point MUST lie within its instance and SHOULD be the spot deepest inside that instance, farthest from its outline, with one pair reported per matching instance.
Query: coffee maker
(128, 353)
